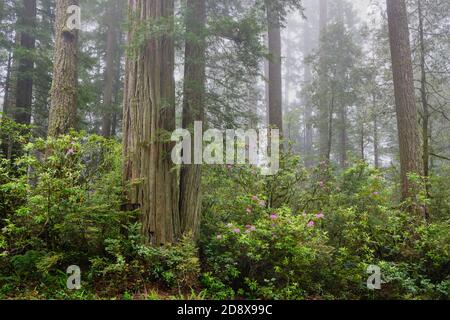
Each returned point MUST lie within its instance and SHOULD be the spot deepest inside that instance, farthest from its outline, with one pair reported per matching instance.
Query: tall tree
(423, 91)
(112, 17)
(324, 123)
(64, 85)
(193, 110)
(275, 79)
(307, 49)
(24, 96)
(411, 160)
(149, 118)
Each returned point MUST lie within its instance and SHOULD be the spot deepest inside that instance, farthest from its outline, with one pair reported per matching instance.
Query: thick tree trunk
(24, 97)
(149, 119)
(324, 112)
(411, 160)
(111, 52)
(64, 86)
(193, 110)
(275, 80)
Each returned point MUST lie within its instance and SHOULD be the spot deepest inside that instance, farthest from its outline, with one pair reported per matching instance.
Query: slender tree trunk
(5, 139)
(64, 85)
(362, 140)
(343, 136)
(324, 112)
(307, 39)
(24, 97)
(376, 152)
(411, 160)
(118, 80)
(424, 94)
(111, 52)
(275, 80)
(7, 84)
(193, 110)
(330, 127)
(149, 119)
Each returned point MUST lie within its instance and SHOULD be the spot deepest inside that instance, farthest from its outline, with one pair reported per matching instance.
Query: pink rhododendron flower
(71, 152)
(320, 215)
(311, 224)
(274, 216)
(255, 198)
(249, 210)
(237, 230)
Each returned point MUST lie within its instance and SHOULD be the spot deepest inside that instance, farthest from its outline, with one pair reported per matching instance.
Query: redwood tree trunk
(149, 119)
(324, 109)
(307, 47)
(408, 127)
(193, 110)
(424, 93)
(376, 152)
(111, 48)
(275, 80)
(24, 97)
(64, 86)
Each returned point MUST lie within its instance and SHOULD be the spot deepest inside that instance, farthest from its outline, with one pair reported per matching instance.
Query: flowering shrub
(277, 255)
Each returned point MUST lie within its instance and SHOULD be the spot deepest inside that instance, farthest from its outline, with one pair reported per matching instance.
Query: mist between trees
(326, 148)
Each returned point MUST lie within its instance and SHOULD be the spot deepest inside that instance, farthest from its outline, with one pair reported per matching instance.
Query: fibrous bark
(411, 160)
(193, 110)
(149, 118)
(24, 97)
(64, 85)
(275, 81)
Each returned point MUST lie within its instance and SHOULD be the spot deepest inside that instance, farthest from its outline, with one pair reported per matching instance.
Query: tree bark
(193, 110)
(275, 80)
(324, 112)
(64, 85)
(7, 84)
(411, 160)
(149, 119)
(424, 93)
(307, 40)
(24, 97)
(343, 136)
(376, 152)
(112, 17)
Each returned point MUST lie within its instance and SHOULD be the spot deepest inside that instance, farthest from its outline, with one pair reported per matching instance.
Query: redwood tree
(193, 110)
(24, 96)
(275, 80)
(324, 112)
(149, 119)
(112, 38)
(64, 85)
(407, 118)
